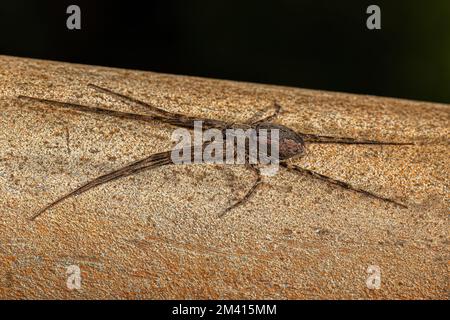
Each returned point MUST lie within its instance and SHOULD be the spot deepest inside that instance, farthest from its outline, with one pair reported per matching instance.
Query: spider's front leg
(156, 160)
(176, 119)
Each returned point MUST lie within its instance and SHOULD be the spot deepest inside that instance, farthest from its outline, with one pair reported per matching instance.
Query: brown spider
(291, 144)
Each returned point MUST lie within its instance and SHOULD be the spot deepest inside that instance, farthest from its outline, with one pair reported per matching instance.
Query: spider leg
(313, 138)
(342, 184)
(187, 122)
(95, 110)
(128, 99)
(154, 161)
(249, 193)
(269, 118)
(176, 119)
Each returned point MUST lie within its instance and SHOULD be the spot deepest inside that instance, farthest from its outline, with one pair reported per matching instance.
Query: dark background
(312, 44)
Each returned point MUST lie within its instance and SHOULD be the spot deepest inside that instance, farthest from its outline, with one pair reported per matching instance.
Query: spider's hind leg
(314, 138)
(340, 183)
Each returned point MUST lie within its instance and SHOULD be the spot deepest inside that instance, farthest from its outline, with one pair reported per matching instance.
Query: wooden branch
(157, 234)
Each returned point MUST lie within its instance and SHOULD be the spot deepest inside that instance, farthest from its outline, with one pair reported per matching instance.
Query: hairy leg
(276, 112)
(154, 161)
(342, 184)
(166, 117)
(95, 110)
(313, 138)
(249, 193)
(176, 119)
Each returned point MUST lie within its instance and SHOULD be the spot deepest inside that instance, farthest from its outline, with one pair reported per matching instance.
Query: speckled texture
(157, 235)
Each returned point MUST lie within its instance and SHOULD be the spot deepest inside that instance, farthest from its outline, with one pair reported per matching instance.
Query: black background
(312, 44)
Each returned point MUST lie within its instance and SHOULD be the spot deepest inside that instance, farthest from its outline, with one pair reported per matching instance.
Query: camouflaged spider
(291, 144)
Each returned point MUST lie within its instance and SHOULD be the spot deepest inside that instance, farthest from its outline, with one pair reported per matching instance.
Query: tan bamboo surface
(156, 235)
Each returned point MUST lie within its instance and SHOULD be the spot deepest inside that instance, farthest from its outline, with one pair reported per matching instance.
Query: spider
(291, 145)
